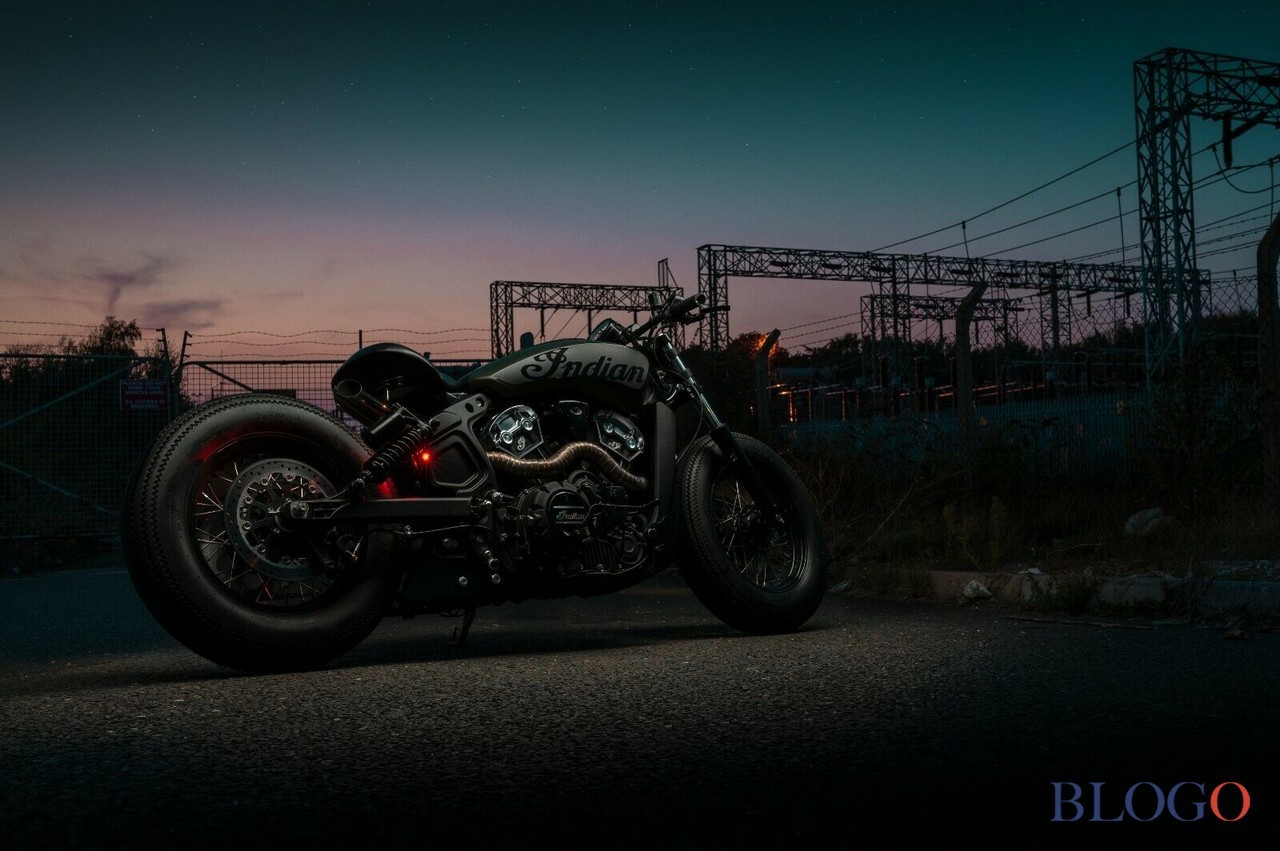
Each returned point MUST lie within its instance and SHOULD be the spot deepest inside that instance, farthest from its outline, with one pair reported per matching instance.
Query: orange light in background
(424, 456)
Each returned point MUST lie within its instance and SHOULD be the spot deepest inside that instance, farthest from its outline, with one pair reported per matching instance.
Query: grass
(891, 522)
(899, 579)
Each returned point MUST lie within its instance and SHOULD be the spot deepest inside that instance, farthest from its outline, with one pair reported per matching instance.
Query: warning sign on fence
(144, 394)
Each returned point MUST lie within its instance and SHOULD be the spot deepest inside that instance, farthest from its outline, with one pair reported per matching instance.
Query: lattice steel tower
(1171, 87)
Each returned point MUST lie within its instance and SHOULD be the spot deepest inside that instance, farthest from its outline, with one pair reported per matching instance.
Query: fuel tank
(608, 372)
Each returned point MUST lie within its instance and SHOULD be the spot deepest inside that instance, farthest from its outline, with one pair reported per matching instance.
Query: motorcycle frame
(672, 385)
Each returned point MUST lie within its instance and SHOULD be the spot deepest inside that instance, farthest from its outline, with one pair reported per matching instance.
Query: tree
(728, 379)
(113, 337)
(68, 442)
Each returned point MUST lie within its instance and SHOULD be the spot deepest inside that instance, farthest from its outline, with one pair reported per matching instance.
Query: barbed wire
(44, 322)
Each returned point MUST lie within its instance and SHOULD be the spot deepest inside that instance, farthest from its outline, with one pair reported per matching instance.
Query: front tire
(755, 576)
(215, 570)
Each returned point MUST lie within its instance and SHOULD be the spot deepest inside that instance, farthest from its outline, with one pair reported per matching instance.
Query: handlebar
(676, 310)
(681, 308)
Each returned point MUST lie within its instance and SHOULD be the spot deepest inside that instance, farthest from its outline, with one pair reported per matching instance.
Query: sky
(224, 168)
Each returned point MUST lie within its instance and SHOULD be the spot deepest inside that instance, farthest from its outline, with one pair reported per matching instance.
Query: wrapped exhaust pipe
(569, 456)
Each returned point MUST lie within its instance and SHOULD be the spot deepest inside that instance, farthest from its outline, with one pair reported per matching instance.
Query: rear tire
(208, 561)
(755, 577)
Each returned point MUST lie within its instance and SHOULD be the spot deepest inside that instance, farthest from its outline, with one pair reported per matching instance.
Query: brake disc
(254, 501)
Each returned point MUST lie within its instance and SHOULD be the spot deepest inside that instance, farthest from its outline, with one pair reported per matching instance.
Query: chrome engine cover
(619, 435)
(516, 431)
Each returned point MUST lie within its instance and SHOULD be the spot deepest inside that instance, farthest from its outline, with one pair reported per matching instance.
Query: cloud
(190, 314)
(117, 280)
(330, 268)
(86, 281)
(35, 266)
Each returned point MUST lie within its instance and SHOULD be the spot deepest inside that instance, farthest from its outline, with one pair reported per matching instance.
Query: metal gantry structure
(894, 316)
(1171, 87)
(506, 296)
(903, 280)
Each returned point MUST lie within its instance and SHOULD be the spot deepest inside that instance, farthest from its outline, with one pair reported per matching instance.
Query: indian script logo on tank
(557, 364)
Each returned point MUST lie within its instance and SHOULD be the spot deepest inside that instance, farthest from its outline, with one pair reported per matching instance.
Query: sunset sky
(283, 167)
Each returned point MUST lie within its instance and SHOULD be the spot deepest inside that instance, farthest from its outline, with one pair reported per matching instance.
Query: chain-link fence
(71, 429)
(306, 380)
(1077, 437)
(1073, 396)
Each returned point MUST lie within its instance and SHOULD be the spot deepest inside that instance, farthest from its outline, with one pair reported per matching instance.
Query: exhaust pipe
(568, 457)
(360, 403)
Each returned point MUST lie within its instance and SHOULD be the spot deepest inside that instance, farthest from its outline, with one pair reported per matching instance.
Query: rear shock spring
(382, 462)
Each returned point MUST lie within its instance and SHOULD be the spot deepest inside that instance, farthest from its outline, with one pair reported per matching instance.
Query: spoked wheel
(768, 555)
(213, 563)
(757, 573)
(244, 546)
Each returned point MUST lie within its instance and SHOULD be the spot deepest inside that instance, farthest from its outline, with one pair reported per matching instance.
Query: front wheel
(756, 573)
(213, 565)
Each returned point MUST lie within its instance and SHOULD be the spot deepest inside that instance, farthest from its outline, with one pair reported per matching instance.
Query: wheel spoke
(234, 517)
(765, 558)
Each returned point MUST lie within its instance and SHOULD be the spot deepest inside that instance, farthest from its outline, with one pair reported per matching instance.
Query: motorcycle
(266, 535)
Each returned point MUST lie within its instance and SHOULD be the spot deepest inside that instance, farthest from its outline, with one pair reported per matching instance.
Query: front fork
(722, 435)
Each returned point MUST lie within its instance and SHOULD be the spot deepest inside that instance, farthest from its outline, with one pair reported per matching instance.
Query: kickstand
(459, 639)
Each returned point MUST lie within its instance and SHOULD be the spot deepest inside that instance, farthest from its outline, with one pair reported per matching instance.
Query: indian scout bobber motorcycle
(265, 535)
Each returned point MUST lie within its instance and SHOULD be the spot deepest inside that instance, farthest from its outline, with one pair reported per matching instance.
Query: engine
(577, 507)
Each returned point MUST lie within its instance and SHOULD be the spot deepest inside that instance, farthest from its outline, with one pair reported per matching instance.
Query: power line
(1215, 224)
(822, 331)
(1228, 249)
(1224, 171)
(963, 222)
(819, 321)
(1263, 217)
(1231, 236)
(1033, 220)
(1235, 215)
(1098, 254)
(1015, 199)
(1057, 235)
(820, 343)
(562, 327)
(1202, 183)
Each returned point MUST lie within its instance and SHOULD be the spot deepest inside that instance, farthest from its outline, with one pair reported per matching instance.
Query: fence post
(921, 400)
(764, 418)
(1269, 381)
(966, 413)
(171, 394)
(882, 366)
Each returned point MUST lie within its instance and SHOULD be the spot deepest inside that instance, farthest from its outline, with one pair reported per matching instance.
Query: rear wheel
(756, 573)
(214, 567)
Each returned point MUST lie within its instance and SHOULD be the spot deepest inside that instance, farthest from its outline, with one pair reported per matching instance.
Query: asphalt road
(634, 720)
